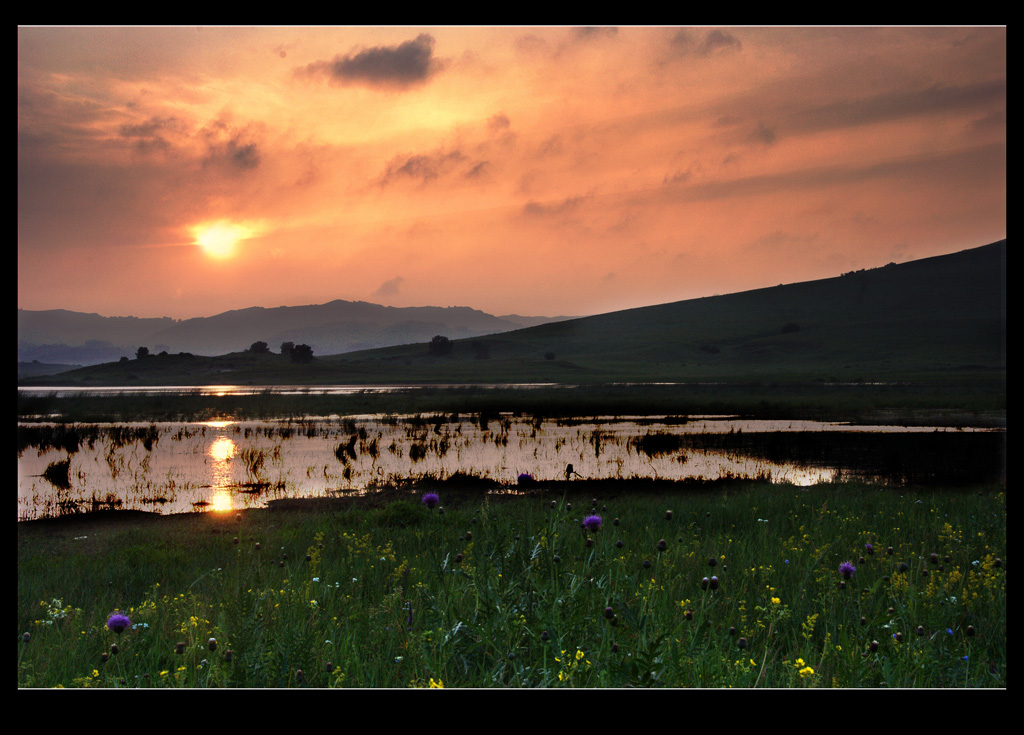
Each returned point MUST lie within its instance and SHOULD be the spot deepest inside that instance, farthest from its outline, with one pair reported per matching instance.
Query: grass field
(505, 591)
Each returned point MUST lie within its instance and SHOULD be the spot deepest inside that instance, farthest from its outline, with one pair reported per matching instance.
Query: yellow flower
(776, 601)
(806, 671)
(436, 684)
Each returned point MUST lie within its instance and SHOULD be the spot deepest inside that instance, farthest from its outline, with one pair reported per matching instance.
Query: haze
(184, 172)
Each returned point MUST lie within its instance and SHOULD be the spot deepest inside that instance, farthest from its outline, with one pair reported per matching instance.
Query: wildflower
(869, 548)
(430, 500)
(26, 637)
(436, 684)
(776, 601)
(662, 545)
(212, 644)
(592, 523)
(118, 623)
(668, 515)
(806, 671)
(847, 569)
(713, 583)
(525, 479)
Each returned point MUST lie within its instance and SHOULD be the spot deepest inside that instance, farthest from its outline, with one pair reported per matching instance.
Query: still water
(178, 467)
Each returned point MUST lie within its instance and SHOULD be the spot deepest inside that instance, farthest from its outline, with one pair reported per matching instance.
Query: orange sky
(527, 170)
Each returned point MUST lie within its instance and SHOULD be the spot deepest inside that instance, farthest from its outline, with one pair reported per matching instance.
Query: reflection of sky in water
(201, 466)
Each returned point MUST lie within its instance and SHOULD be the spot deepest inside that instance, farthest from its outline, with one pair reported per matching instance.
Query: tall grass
(515, 592)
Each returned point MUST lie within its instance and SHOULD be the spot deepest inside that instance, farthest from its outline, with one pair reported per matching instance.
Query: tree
(302, 354)
(260, 348)
(286, 348)
(439, 346)
(142, 352)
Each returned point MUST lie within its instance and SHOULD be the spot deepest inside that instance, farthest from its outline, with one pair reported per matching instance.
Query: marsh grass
(496, 591)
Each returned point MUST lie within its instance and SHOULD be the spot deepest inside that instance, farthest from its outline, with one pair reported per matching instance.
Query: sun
(219, 240)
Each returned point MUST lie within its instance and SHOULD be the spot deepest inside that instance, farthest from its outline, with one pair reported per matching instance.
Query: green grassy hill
(940, 319)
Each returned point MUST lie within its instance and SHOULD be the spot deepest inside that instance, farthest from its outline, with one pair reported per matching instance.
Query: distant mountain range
(56, 339)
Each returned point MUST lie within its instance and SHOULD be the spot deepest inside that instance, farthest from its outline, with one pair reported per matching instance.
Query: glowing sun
(220, 239)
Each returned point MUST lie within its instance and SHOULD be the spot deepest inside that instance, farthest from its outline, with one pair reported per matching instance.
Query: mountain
(60, 336)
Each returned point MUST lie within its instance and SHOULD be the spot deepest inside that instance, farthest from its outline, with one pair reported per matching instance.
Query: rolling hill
(934, 319)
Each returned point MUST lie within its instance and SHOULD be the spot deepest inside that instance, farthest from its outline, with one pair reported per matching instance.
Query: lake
(190, 466)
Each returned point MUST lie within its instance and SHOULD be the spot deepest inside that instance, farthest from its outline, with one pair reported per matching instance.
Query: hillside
(935, 319)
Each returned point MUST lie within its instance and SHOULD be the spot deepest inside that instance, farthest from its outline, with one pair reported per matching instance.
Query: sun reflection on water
(222, 450)
(221, 501)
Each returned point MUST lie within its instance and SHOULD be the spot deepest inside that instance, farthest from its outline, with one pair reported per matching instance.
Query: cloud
(389, 287)
(542, 210)
(586, 33)
(230, 149)
(499, 122)
(152, 134)
(688, 42)
(763, 134)
(427, 167)
(390, 67)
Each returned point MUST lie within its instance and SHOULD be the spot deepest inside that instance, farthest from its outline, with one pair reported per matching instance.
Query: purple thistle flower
(592, 523)
(847, 569)
(118, 623)
(430, 500)
(525, 479)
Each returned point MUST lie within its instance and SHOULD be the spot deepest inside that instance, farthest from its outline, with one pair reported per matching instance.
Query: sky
(542, 171)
